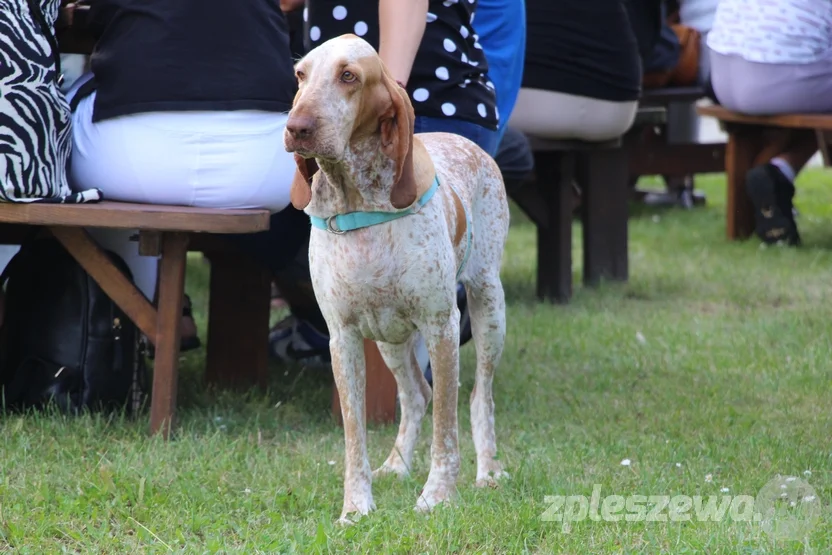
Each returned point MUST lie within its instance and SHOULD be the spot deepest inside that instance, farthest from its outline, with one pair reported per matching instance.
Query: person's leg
(554, 115)
(514, 158)
(771, 188)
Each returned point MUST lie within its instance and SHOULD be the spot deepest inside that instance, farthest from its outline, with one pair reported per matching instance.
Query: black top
(646, 19)
(449, 74)
(181, 55)
(582, 47)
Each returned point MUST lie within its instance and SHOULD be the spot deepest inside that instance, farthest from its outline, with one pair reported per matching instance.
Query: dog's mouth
(304, 148)
(307, 154)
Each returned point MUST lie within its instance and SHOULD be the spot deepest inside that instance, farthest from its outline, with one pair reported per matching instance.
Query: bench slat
(793, 121)
(124, 215)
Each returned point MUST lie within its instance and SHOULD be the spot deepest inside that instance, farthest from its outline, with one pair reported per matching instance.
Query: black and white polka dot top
(449, 76)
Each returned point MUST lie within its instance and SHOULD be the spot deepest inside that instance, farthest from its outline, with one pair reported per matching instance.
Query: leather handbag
(63, 340)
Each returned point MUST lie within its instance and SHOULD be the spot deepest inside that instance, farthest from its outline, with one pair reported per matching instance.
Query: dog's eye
(300, 75)
(348, 77)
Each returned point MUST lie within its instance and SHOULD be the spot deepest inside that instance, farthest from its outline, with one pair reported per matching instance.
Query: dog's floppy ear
(397, 143)
(301, 192)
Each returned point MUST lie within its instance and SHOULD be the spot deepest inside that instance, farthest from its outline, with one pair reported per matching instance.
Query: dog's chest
(383, 278)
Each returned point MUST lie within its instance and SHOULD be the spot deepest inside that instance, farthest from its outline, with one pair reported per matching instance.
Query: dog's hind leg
(414, 396)
(486, 302)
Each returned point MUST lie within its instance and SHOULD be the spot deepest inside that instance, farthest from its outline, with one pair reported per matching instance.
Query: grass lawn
(709, 371)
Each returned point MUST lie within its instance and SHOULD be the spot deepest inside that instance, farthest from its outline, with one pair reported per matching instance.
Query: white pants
(231, 159)
(555, 115)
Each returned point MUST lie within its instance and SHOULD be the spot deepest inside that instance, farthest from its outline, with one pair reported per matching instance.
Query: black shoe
(771, 193)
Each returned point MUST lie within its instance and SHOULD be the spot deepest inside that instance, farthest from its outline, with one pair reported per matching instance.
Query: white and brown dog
(397, 220)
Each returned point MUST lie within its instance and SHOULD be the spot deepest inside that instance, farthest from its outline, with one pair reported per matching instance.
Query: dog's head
(346, 94)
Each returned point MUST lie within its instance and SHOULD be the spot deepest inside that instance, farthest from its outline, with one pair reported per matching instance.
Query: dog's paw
(489, 472)
(395, 468)
(349, 519)
(431, 497)
(355, 508)
(490, 480)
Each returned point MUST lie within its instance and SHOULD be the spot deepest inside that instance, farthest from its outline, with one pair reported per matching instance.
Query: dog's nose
(300, 126)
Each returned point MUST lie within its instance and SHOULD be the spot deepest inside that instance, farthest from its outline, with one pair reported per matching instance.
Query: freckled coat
(351, 129)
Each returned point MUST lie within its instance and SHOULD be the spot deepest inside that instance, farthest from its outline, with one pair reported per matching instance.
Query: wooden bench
(601, 169)
(652, 152)
(747, 148)
(167, 232)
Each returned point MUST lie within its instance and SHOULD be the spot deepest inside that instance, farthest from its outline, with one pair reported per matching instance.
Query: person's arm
(291, 5)
(401, 27)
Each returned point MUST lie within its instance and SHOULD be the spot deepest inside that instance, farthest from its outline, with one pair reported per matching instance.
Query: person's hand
(291, 5)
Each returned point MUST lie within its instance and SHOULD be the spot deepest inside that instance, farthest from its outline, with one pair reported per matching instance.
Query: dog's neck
(360, 181)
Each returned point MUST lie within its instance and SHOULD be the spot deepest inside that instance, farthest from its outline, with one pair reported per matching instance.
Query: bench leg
(238, 322)
(554, 241)
(603, 178)
(743, 147)
(168, 316)
(381, 389)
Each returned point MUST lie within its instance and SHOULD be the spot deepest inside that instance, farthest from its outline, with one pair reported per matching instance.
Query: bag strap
(50, 36)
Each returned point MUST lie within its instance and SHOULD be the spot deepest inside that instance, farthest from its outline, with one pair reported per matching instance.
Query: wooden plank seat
(747, 148)
(652, 153)
(164, 231)
(601, 170)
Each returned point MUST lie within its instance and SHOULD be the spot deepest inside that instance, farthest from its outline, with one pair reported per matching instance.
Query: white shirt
(698, 14)
(773, 31)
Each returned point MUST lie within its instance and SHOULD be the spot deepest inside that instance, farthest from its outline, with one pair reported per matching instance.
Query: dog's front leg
(347, 351)
(443, 345)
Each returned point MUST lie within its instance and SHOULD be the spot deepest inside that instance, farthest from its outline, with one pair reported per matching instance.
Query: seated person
(34, 115)
(774, 58)
(583, 70)
(188, 104)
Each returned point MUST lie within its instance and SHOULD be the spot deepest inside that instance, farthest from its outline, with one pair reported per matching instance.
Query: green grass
(713, 360)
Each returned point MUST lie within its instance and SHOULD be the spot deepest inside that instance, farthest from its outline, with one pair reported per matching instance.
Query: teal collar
(341, 223)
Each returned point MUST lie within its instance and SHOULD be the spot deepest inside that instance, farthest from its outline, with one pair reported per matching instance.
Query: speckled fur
(391, 281)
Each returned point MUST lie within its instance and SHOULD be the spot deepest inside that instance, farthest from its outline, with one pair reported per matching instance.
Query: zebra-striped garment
(35, 138)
